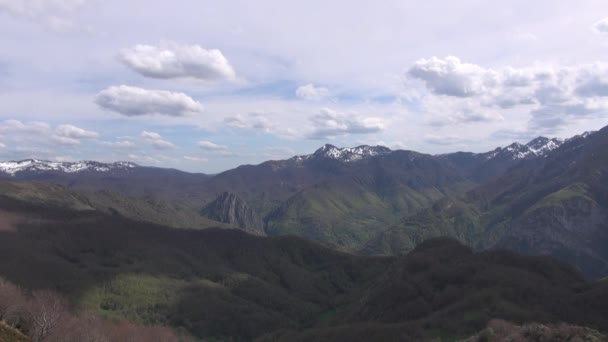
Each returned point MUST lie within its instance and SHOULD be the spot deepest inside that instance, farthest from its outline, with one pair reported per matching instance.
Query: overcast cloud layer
(217, 84)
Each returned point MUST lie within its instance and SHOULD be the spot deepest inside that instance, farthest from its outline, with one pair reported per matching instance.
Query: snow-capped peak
(541, 145)
(33, 165)
(537, 147)
(346, 154)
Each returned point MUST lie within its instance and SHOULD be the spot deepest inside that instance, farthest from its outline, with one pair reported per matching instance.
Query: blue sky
(206, 86)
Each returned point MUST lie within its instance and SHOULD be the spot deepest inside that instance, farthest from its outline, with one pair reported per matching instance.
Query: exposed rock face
(231, 209)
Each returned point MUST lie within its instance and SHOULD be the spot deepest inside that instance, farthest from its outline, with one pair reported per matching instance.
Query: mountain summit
(346, 154)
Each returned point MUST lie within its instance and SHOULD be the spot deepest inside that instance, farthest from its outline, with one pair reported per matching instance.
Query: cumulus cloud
(133, 101)
(209, 146)
(71, 135)
(551, 94)
(601, 26)
(157, 141)
(172, 60)
(330, 124)
(42, 134)
(311, 92)
(54, 14)
(451, 77)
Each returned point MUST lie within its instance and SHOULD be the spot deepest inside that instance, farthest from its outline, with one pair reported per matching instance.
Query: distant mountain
(14, 168)
(481, 167)
(345, 155)
(367, 198)
(555, 205)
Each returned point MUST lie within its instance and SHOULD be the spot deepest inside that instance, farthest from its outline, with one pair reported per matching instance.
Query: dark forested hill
(228, 285)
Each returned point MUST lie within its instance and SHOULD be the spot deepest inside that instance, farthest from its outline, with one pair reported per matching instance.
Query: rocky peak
(349, 154)
(231, 209)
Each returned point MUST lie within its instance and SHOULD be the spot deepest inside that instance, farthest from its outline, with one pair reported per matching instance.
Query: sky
(205, 86)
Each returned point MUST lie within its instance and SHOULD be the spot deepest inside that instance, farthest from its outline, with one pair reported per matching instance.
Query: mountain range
(369, 199)
(345, 244)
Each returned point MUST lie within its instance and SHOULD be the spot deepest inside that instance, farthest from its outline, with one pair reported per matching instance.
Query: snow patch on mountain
(538, 147)
(347, 154)
(33, 165)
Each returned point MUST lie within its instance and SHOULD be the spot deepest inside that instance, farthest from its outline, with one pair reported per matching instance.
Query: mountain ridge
(539, 146)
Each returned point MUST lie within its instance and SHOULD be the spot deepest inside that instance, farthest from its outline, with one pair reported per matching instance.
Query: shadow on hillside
(220, 283)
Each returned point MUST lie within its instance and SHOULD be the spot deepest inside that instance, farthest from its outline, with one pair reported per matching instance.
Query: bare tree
(12, 302)
(46, 310)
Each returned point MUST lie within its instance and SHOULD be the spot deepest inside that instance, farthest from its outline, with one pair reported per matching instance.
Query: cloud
(595, 86)
(553, 95)
(196, 159)
(74, 132)
(118, 144)
(311, 92)
(259, 122)
(172, 60)
(143, 158)
(513, 134)
(451, 77)
(157, 141)
(330, 124)
(133, 101)
(464, 117)
(447, 140)
(16, 126)
(601, 26)
(71, 135)
(54, 14)
(38, 134)
(209, 146)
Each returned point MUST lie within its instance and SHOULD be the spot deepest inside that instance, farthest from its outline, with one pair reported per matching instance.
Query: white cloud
(209, 146)
(311, 92)
(120, 144)
(601, 26)
(74, 132)
(330, 124)
(14, 126)
(172, 60)
(36, 135)
(133, 101)
(157, 141)
(552, 95)
(259, 122)
(464, 117)
(451, 77)
(65, 140)
(71, 135)
(54, 14)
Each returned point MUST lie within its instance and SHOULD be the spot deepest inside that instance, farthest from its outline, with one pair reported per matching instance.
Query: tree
(45, 312)
(12, 302)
